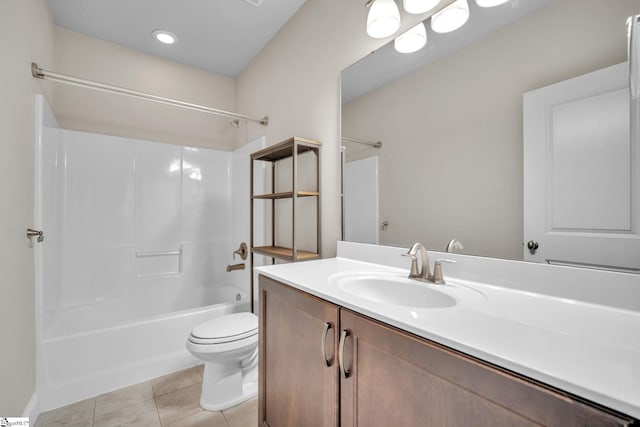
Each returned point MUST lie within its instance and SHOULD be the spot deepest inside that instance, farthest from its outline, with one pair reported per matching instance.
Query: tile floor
(171, 400)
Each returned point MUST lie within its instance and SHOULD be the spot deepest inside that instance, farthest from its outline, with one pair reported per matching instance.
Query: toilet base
(249, 392)
(220, 391)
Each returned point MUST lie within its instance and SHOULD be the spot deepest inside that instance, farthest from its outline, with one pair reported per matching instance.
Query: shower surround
(138, 236)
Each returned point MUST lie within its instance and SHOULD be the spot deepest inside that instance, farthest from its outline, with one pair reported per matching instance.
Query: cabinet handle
(323, 344)
(346, 373)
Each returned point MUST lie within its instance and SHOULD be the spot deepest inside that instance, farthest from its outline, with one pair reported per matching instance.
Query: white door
(581, 180)
(361, 200)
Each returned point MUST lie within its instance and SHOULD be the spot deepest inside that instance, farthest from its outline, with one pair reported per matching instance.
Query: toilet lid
(231, 327)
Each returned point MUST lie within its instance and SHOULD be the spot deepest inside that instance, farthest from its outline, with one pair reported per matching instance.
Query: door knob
(533, 246)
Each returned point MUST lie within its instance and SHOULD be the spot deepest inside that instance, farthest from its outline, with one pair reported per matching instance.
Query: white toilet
(228, 345)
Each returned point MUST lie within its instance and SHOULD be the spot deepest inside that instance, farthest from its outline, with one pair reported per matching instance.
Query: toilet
(228, 346)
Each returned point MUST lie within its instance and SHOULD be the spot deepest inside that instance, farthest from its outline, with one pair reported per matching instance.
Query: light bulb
(412, 40)
(419, 6)
(383, 19)
(490, 3)
(451, 17)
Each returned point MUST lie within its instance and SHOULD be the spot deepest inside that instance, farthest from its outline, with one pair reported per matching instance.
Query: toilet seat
(226, 329)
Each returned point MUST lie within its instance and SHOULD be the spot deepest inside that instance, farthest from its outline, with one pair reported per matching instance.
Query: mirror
(450, 118)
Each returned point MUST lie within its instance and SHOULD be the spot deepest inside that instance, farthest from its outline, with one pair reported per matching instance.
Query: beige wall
(451, 163)
(26, 35)
(295, 80)
(92, 111)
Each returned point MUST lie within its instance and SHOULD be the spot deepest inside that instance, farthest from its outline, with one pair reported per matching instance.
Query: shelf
(283, 158)
(284, 253)
(286, 195)
(285, 149)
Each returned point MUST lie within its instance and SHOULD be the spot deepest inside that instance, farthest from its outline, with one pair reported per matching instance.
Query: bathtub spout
(235, 267)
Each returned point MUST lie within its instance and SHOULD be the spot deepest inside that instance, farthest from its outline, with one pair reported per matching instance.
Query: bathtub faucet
(242, 251)
(235, 267)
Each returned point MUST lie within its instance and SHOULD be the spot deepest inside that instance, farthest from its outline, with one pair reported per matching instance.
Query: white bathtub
(81, 357)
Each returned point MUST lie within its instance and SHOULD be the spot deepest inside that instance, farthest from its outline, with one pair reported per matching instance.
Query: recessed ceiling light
(164, 36)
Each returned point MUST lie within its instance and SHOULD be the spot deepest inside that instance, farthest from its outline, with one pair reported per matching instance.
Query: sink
(394, 289)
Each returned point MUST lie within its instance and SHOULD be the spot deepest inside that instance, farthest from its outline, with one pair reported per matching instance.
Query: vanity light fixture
(419, 6)
(490, 3)
(451, 17)
(412, 40)
(164, 36)
(383, 19)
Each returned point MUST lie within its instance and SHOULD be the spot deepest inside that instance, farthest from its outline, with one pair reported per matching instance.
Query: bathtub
(94, 349)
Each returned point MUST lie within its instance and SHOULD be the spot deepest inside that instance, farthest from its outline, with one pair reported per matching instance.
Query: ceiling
(221, 36)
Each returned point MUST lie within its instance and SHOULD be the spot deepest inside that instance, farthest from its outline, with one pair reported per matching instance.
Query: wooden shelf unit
(288, 149)
(284, 253)
(286, 195)
(285, 149)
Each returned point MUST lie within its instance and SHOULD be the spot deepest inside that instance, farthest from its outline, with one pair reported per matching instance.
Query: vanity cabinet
(378, 375)
(297, 361)
(399, 379)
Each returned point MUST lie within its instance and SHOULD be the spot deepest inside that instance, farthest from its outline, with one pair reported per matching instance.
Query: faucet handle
(438, 277)
(414, 264)
(242, 251)
(454, 244)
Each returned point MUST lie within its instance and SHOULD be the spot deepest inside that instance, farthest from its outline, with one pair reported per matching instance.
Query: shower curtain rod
(376, 144)
(43, 74)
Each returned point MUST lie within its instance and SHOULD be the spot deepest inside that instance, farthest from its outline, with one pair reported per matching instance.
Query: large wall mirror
(450, 119)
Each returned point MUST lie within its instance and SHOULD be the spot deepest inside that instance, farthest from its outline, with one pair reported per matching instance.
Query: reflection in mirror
(360, 191)
(451, 119)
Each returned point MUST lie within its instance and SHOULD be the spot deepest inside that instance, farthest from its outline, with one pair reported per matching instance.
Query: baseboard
(32, 410)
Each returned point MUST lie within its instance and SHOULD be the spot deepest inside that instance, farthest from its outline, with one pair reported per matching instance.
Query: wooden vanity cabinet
(398, 379)
(392, 378)
(299, 384)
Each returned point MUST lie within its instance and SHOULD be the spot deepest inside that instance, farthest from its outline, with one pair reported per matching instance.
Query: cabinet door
(297, 362)
(396, 379)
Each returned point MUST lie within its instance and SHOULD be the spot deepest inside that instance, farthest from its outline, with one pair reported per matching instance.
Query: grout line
(155, 403)
(175, 390)
(153, 389)
(93, 418)
(226, 419)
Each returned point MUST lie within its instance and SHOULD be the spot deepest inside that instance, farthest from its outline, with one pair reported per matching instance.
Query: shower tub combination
(114, 351)
(137, 238)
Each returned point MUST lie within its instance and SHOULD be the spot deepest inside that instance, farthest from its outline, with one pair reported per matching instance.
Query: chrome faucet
(454, 244)
(425, 272)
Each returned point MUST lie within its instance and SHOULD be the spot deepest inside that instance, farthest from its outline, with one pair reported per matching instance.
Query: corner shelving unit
(273, 155)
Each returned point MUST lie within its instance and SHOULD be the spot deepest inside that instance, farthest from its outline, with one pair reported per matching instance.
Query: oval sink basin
(394, 290)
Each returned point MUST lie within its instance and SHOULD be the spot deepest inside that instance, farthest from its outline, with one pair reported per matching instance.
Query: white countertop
(588, 349)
